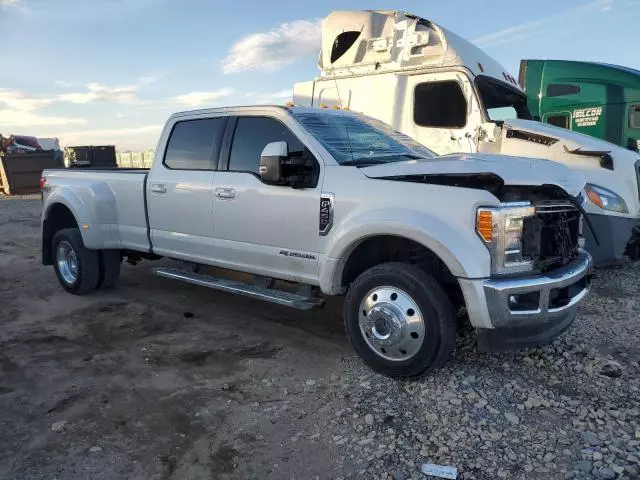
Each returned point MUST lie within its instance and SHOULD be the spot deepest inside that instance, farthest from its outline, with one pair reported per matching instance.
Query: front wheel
(77, 267)
(400, 320)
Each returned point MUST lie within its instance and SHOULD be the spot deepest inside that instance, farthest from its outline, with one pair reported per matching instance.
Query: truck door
(179, 190)
(444, 112)
(265, 229)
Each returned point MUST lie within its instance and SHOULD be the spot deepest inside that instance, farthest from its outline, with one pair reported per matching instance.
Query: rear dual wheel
(400, 320)
(79, 269)
(110, 262)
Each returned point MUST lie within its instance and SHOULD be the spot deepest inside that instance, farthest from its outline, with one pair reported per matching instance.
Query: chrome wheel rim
(391, 323)
(67, 262)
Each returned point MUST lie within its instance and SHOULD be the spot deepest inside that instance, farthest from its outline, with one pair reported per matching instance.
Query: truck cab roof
(380, 41)
(261, 109)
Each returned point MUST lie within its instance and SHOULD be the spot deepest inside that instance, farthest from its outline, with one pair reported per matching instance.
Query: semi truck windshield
(501, 100)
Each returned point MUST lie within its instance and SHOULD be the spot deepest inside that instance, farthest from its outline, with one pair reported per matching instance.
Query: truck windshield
(354, 139)
(501, 100)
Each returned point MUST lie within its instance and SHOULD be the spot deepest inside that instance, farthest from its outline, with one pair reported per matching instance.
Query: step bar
(279, 297)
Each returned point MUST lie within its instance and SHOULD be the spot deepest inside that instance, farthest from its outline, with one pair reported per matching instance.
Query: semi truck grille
(550, 237)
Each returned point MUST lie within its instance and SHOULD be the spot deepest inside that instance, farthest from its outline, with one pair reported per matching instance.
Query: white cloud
(274, 49)
(152, 77)
(196, 99)
(127, 115)
(23, 118)
(604, 5)
(113, 132)
(134, 138)
(9, 2)
(21, 101)
(281, 94)
(528, 29)
(17, 110)
(148, 79)
(64, 84)
(101, 93)
(274, 98)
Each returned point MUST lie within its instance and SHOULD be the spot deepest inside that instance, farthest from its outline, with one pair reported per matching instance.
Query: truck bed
(97, 192)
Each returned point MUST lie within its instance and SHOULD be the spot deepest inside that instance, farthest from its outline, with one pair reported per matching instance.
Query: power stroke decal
(587, 117)
(306, 256)
(326, 213)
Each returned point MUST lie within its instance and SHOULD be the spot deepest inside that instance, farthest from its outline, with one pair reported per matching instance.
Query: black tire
(88, 262)
(438, 341)
(110, 261)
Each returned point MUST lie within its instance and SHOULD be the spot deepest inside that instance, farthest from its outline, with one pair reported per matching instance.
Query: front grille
(550, 237)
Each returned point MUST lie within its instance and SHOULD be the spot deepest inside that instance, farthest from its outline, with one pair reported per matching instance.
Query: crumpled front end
(533, 307)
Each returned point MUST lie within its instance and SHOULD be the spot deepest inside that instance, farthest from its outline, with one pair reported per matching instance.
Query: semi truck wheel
(77, 267)
(400, 320)
(110, 261)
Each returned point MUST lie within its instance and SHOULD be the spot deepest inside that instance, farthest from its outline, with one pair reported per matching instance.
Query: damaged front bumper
(529, 311)
(618, 239)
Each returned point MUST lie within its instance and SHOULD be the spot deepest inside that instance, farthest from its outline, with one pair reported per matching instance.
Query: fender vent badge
(326, 213)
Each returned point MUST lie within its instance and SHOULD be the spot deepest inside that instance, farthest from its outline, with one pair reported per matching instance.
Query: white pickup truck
(311, 200)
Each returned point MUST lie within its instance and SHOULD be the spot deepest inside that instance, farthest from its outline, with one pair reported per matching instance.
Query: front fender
(456, 244)
(93, 206)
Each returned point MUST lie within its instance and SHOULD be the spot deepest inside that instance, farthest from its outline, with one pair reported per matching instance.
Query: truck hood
(512, 170)
(569, 140)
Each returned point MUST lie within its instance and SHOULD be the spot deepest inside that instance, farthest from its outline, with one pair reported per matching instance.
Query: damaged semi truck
(446, 93)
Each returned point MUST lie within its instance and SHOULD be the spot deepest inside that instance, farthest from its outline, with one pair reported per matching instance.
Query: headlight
(605, 199)
(501, 230)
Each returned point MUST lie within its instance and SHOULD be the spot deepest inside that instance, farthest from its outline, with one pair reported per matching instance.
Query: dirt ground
(155, 379)
(160, 380)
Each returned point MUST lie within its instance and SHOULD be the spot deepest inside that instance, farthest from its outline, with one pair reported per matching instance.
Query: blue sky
(112, 71)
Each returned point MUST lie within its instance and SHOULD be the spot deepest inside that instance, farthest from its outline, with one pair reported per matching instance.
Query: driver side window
(440, 104)
(251, 135)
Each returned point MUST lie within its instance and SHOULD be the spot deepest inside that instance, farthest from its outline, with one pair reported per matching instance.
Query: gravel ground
(163, 380)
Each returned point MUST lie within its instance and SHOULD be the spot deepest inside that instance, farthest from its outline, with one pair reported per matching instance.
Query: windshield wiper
(368, 162)
(364, 163)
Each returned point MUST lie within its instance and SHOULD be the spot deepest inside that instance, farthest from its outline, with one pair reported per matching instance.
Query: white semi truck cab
(450, 96)
(311, 200)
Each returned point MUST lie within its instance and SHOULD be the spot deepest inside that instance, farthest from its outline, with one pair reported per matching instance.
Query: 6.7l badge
(326, 213)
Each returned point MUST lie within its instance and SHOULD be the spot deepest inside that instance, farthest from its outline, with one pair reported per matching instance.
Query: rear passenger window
(440, 104)
(195, 144)
(252, 135)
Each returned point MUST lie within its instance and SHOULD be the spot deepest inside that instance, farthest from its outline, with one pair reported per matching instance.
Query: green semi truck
(596, 99)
